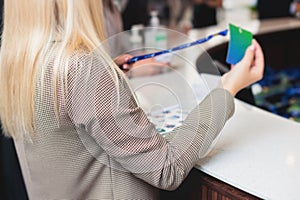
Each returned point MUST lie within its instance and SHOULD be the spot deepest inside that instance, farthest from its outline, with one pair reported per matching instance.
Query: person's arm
(295, 8)
(110, 115)
(214, 3)
(101, 105)
(210, 3)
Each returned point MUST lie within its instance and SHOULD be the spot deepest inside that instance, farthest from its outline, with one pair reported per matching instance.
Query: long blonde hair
(29, 28)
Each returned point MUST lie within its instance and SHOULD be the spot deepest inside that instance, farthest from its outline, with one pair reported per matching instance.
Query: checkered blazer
(97, 143)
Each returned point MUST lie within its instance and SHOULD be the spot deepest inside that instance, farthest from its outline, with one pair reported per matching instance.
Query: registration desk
(257, 155)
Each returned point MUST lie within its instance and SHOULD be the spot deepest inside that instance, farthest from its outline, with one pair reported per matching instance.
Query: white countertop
(257, 152)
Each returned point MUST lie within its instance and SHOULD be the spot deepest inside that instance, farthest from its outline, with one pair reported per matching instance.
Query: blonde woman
(78, 130)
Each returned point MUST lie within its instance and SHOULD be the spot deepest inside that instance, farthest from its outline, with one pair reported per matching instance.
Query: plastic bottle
(136, 39)
(154, 21)
(155, 36)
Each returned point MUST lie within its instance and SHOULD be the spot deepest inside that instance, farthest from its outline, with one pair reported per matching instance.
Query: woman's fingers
(258, 63)
(122, 60)
(248, 57)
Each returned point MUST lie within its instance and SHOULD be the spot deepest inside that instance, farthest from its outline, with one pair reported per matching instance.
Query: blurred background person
(277, 8)
(173, 14)
(135, 12)
(113, 19)
(205, 12)
(295, 8)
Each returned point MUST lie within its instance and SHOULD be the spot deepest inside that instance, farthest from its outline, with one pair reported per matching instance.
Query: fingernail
(252, 47)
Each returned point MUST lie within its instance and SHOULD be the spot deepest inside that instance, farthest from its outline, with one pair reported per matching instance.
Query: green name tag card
(240, 40)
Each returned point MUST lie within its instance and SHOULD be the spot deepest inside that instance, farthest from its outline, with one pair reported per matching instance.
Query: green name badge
(240, 40)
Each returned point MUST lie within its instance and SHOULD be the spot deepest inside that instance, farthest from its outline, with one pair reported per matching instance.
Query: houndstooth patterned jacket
(97, 143)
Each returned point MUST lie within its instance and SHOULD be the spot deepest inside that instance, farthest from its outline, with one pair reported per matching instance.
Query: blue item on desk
(281, 92)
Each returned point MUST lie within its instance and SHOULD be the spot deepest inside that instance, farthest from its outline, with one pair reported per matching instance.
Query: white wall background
(236, 11)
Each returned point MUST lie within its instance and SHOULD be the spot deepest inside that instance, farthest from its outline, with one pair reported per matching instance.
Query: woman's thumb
(249, 56)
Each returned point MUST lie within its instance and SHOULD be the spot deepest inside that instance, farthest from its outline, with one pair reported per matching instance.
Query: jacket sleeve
(100, 104)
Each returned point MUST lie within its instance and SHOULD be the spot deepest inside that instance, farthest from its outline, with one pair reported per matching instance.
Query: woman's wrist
(228, 86)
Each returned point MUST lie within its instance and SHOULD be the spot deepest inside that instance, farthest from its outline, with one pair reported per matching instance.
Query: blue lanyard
(180, 47)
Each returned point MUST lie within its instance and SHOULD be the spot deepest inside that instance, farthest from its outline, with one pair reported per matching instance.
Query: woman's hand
(122, 60)
(249, 70)
(144, 67)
